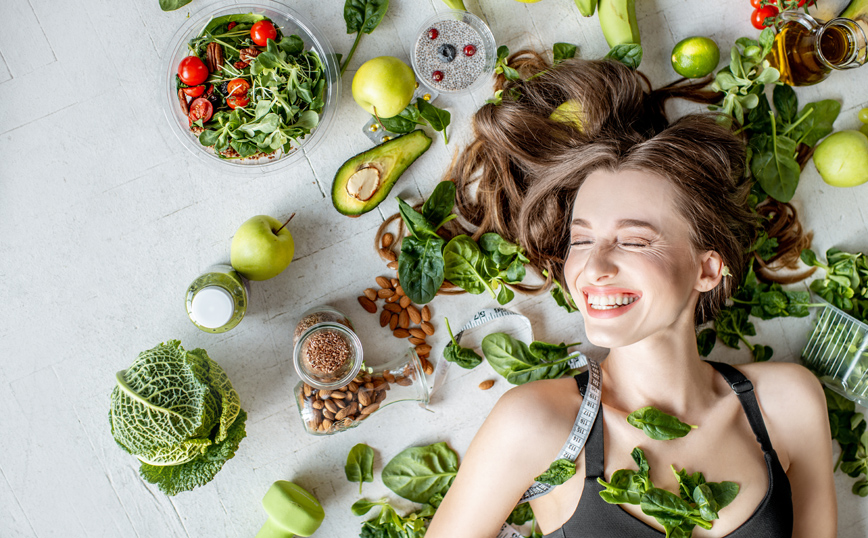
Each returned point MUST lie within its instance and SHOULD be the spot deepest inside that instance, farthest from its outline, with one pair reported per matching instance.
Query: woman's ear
(711, 271)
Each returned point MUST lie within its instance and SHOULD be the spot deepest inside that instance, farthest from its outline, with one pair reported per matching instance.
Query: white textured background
(105, 219)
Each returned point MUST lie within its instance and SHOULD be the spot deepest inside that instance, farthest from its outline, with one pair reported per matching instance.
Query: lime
(863, 115)
(695, 57)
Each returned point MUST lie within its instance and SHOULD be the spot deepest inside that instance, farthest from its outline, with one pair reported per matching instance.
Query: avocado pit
(364, 182)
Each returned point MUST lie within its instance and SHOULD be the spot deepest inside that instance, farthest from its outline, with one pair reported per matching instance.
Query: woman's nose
(600, 265)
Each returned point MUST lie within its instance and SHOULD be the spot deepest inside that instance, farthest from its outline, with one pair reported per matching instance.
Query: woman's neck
(663, 370)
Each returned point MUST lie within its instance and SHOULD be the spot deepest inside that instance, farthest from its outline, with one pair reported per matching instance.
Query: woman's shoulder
(776, 379)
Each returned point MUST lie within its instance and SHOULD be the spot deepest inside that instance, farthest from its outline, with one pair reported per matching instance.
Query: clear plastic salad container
(290, 22)
(837, 352)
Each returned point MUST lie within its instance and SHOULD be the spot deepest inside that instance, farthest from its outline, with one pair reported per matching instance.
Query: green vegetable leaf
(558, 472)
(420, 267)
(363, 506)
(404, 122)
(563, 51)
(786, 102)
(520, 515)
(774, 165)
(762, 353)
(625, 487)
(172, 5)
(437, 117)
(513, 360)
(818, 121)
(360, 465)
(705, 341)
(550, 352)
(464, 265)
(687, 483)
(415, 222)
(658, 425)
(629, 54)
(704, 499)
(723, 492)
(364, 15)
(437, 209)
(462, 356)
(419, 473)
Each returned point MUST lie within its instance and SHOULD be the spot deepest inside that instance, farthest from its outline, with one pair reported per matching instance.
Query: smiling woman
(646, 224)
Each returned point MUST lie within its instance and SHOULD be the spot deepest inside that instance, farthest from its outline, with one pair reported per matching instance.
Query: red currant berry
(437, 76)
(469, 50)
(433, 33)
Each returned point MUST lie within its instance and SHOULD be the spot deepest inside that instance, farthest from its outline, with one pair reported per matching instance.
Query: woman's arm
(516, 443)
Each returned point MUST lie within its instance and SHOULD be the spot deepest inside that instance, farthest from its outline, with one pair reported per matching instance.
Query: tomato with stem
(200, 109)
(261, 32)
(758, 19)
(192, 71)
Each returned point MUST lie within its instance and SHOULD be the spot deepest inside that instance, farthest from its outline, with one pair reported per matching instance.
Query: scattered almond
(392, 265)
(427, 328)
(393, 322)
(389, 254)
(427, 367)
(426, 313)
(414, 314)
(487, 384)
(416, 341)
(401, 332)
(383, 282)
(387, 240)
(384, 293)
(423, 349)
(400, 291)
(393, 299)
(385, 317)
(371, 294)
(403, 319)
(392, 307)
(418, 333)
(394, 283)
(405, 301)
(367, 304)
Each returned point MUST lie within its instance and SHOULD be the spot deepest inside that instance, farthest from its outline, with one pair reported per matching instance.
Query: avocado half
(365, 180)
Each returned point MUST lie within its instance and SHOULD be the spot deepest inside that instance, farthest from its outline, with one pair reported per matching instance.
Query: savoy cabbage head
(176, 411)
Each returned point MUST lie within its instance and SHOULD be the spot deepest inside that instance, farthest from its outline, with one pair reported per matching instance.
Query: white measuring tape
(587, 412)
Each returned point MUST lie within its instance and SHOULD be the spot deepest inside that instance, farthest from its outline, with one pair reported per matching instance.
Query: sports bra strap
(743, 388)
(594, 456)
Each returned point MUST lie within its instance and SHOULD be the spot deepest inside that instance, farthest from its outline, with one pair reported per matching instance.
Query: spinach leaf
(818, 121)
(705, 341)
(723, 492)
(629, 54)
(732, 325)
(687, 483)
(505, 294)
(360, 465)
(502, 67)
(644, 473)
(520, 515)
(563, 51)
(417, 224)
(420, 268)
(419, 473)
(625, 487)
(363, 506)
(550, 352)
(513, 360)
(704, 499)
(786, 102)
(437, 209)
(558, 472)
(501, 251)
(658, 425)
(464, 265)
(462, 356)
(388, 524)
(172, 5)
(404, 122)
(774, 165)
(362, 17)
(437, 117)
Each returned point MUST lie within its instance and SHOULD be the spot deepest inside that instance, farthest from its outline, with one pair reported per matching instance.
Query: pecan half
(249, 53)
(240, 65)
(214, 57)
(182, 99)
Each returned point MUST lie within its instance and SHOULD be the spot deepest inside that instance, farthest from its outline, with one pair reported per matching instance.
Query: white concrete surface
(105, 219)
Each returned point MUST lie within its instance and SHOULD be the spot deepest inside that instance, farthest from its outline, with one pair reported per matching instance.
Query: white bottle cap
(212, 307)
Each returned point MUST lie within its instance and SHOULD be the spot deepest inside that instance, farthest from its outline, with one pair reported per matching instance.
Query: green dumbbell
(292, 511)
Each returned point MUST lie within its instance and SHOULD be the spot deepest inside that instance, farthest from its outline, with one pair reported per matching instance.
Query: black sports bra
(596, 518)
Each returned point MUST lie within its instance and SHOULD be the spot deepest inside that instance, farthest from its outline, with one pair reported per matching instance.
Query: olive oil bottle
(805, 50)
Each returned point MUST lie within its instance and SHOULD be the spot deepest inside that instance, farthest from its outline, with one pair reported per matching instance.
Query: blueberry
(446, 53)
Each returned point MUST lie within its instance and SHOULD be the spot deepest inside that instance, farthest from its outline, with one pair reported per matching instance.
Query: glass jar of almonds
(329, 411)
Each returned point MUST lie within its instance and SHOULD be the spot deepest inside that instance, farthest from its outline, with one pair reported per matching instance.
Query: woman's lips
(609, 302)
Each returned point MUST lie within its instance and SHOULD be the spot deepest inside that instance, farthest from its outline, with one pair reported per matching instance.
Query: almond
(426, 313)
(393, 299)
(423, 349)
(394, 283)
(324, 394)
(364, 398)
(383, 282)
(389, 377)
(400, 291)
(307, 390)
(393, 308)
(400, 333)
(387, 240)
(405, 301)
(326, 425)
(404, 381)
(418, 333)
(403, 319)
(368, 409)
(381, 395)
(392, 265)
(416, 341)
(368, 304)
(328, 414)
(487, 384)
(393, 323)
(371, 294)
(414, 314)
(384, 293)
(331, 406)
(318, 404)
(385, 317)
(388, 254)
(427, 367)
(339, 395)
(348, 410)
(427, 328)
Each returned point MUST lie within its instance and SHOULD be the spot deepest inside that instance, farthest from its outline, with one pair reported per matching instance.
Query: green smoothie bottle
(217, 299)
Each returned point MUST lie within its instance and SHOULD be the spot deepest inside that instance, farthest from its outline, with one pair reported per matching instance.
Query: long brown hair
(520, 174)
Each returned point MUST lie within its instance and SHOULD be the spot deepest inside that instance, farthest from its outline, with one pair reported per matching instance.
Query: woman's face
(631, 268)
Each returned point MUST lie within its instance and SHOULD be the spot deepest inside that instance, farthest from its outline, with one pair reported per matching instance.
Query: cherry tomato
(237, 87)
(195, 91)
(200, 109)
(760, 15)
(261, 32)
(756, 4)
(235, 101)
(192, 71)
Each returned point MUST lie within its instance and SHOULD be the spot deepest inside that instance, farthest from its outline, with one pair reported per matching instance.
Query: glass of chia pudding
(454, 52)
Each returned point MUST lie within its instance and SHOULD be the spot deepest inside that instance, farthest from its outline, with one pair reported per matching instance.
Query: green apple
(384, 86)
(262, 248)
(842, 159)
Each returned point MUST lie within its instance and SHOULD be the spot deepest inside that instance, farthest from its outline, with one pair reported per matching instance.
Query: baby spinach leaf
(550, 352)
(705, 341)
(629, 54)
(420, 267)
(774, 165)
(658, 425)
(660, 503)
(415, 222)
(437, 209)
(462, 356)
(563, 51)
(437, 117)
(761, 353)
(404, 122)
(505, 295)
(644, 473)
(625, 487)
(362, 17)
(723, 492)
(513, 360)
(418, 473)
(818, 123)
(786, 102)
(558, 472)
(687, 482)
(704, 499)
(520, 515)
(360, 465)
(463, 265)
(172, 5)
(363, 506)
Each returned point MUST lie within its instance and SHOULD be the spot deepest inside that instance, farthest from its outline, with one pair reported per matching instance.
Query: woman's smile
(609, 302)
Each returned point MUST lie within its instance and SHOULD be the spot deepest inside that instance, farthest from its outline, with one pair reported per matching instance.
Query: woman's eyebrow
(623, 223)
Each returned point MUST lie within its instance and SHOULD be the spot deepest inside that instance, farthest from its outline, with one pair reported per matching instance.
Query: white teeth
(608, 302)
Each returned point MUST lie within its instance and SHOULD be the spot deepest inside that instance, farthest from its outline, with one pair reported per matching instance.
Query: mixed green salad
(248, 90)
